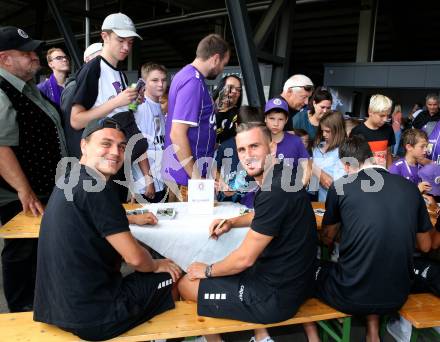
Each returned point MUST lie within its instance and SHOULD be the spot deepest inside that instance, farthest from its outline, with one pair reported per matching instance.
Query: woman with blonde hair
(326, 164)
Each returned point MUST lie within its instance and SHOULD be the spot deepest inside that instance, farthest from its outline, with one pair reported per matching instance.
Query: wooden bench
(422, 310)
(183, 321)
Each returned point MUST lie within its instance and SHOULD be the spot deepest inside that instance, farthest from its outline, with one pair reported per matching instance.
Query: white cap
(297, 80)
(91, 49)
(120, 24)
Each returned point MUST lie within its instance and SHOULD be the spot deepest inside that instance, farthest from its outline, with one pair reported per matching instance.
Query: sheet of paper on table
(201, 196)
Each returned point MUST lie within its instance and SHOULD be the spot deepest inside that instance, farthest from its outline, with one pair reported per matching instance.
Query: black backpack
(73, 136)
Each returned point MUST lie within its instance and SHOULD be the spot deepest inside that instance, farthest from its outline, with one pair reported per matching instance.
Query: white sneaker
(196, 339)
(266, 339)
(400, 329)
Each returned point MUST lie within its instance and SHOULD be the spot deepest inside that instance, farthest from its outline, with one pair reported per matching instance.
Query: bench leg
(414, 334)
(329, 330)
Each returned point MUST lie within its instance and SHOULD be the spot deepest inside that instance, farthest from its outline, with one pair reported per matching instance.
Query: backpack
(73, 136)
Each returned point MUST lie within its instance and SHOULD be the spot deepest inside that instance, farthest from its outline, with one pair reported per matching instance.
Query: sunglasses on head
(305, 87)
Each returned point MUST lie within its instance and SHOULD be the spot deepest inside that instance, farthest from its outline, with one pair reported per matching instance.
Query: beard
(212, 75)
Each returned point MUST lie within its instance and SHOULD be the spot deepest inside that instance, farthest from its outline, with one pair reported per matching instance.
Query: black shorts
(142, 296)
(322, 272)
(426, 276)
(246, 299)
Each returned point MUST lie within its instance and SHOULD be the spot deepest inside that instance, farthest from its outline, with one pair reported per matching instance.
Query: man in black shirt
(268, 277)
(84, 236)
(381, 217)
(430, 116)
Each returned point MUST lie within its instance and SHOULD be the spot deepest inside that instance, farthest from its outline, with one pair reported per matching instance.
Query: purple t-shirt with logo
(189, 102)
(433, 142)
(291, 147)
(402, 168)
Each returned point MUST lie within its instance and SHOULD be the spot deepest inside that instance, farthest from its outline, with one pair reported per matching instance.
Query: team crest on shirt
(197, 74)
(281, 156)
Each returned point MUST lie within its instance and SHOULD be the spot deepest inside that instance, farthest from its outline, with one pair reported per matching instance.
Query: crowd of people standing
(120, 137)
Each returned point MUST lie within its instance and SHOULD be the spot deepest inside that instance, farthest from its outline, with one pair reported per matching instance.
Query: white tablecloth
(185, 239)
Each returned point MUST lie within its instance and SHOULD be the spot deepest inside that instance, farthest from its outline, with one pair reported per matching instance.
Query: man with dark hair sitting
(268, 277)
(82, 243)
(375, 267)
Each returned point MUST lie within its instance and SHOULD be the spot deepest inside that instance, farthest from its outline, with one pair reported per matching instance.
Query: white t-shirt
(151, 122)
(98, 82)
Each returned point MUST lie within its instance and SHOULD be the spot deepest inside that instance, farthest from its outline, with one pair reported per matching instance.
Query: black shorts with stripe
(245, 298)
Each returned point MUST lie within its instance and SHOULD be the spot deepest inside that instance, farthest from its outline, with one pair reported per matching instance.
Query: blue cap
(278, 104)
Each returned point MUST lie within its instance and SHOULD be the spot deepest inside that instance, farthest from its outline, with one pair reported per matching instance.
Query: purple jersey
(189, 102)
(291, 147)
(433, 142)
(51, 89)
(402, 168)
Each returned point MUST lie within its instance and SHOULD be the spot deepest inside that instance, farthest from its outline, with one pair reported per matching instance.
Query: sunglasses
(306, 87)
(60, 58)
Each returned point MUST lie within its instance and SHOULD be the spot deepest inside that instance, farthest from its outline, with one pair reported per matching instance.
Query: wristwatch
(208, 271)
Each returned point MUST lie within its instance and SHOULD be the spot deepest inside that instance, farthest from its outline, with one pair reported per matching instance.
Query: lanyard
(408, 168)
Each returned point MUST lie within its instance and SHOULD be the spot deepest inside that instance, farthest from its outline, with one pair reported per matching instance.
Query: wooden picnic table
(25, 225)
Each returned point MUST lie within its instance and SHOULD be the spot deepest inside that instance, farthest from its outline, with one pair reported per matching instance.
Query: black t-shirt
(378, 237)
(424, 117)
(78, 271)
(226, 124)
(287, 262)
(378, 139)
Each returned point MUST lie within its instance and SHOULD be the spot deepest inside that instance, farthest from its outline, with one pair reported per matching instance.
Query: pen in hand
(217, 227)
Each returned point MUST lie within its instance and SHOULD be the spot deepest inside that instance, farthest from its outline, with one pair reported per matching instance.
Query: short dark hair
(413, 136)
(244, 127)
(221, 85)
(355, 147)
(300, 132)
(249, 114)
(320, 94)
(211, 45)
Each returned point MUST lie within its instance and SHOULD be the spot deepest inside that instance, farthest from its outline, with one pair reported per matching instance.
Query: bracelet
(208, 271)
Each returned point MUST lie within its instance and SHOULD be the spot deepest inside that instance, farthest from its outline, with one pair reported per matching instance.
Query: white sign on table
(201, 196)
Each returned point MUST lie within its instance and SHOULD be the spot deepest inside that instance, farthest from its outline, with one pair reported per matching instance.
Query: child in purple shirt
(290, 148)
(415, 143)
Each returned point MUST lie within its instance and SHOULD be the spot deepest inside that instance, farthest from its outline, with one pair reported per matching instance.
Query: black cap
(13, 38)
(98, 124)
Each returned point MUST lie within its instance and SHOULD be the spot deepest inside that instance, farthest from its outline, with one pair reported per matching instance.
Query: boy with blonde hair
(378, 133)
(151, 122)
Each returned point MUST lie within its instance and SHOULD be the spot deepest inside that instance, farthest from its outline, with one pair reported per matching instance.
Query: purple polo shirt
(402, 168)
(51, 89)
(433, 143)
(291, 147)
(189, 102)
